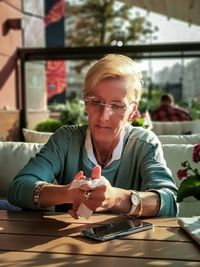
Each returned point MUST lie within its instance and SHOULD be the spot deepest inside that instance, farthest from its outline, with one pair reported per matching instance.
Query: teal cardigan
(142, 167)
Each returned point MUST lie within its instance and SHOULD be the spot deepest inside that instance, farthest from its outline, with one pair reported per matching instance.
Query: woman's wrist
(68, 194)
(37, 194)
(47, 195)
(122, 200)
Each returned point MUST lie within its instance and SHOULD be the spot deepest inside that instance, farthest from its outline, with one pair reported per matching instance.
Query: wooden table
(53, 239)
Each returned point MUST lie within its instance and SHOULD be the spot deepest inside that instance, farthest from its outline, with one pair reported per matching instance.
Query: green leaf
(189, 187)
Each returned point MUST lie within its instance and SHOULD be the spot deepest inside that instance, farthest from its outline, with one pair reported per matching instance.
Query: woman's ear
(135, 106)
(86, 109)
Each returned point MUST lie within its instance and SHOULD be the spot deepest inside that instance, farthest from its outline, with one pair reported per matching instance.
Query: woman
(137, 181)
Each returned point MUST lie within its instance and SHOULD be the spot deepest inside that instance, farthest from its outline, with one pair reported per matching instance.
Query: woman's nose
(106, 112)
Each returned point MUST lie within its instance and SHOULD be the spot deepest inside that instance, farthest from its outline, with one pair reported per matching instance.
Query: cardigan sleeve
(156, 176)
(47, 166)
(144, 168)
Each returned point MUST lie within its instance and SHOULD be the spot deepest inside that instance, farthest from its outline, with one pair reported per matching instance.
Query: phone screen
(116, 229)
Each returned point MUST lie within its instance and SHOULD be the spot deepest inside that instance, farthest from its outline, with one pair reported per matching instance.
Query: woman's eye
(96, 102)
(116, 106)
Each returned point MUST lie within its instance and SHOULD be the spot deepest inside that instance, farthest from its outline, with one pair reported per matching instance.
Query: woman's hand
(101, 197)
(79, 194)
(105, 192)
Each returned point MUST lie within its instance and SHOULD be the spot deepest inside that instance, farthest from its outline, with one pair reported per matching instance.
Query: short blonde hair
(115, 66)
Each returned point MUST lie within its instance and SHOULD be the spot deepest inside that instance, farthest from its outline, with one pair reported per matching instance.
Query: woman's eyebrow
(111, 101)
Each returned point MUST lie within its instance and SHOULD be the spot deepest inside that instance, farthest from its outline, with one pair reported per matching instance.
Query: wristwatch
(135, 200)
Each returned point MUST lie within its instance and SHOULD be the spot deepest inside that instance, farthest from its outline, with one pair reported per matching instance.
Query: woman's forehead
(116, 84)
(111, 87)
(114, 88)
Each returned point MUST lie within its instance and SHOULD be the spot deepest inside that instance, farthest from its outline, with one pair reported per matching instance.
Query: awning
(184, 10)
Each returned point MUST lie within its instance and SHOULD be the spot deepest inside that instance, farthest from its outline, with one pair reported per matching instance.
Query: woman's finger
(96, 172)
(79, 176)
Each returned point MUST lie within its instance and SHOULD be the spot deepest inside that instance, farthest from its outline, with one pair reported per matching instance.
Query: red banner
(55, 70)
(56, 77)
(56, 13)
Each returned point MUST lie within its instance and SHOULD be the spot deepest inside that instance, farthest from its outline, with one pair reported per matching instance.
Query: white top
(116, 152)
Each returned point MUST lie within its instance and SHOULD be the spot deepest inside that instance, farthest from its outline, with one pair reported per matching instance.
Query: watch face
(135, 198)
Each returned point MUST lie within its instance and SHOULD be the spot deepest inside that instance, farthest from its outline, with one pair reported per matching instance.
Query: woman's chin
(103, 136)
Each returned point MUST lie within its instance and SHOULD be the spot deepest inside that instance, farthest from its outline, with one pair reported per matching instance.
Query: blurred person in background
(168, 111)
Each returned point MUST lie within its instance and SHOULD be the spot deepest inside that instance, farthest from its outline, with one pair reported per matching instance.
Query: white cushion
(35, 136)
(174, 155)
(13, 157)
(177, 127)
(179, 139)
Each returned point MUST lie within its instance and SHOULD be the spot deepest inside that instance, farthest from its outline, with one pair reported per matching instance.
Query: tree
(105, 22)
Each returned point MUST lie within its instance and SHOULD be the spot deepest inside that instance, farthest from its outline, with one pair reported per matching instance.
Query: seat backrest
(177, 127)
(13, 157)
(180, 139)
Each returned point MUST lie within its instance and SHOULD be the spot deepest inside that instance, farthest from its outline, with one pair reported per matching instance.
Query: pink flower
(181, 174)
(196, 153)
(190, 177)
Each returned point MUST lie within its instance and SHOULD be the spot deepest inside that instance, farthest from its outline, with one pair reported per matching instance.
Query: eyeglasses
(113, 107)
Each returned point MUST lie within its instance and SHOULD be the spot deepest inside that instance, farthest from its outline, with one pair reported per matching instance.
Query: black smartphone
(120, 228)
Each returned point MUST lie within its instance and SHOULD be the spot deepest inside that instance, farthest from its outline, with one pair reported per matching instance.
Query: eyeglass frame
(100, 104)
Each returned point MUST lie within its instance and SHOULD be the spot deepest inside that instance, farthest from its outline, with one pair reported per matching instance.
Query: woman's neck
(103, 153)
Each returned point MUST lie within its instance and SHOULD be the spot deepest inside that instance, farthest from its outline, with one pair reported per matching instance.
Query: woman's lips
(103, 127)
